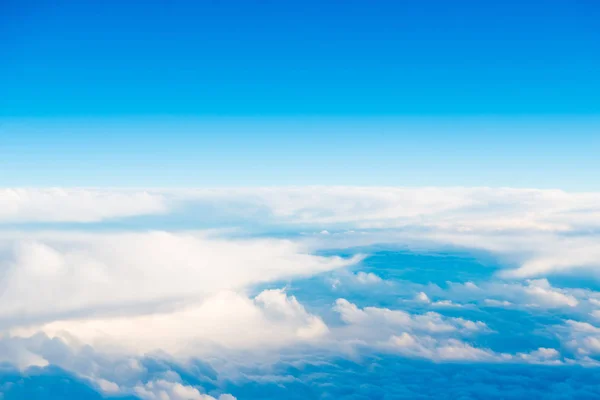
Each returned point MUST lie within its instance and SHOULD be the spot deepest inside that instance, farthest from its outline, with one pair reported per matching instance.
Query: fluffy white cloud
(422, 298)
(440, 349)
(358, 281)
(536, 253)
(497, 303)
(165, 390)
(582, 338)
(367, 278)
(542, 355)
(186, 293)
(459, 208)
(120, 374)
(532, 293)
(108, 386)
(543, 231)
(452, 349)
(372, 324)
(271, 320)
(541, 293)
(59, 276)
(76, 205)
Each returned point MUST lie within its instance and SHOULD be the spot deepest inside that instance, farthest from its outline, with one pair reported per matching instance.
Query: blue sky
(229, 200)
(300, 58)
(548, 152)
(260, 93)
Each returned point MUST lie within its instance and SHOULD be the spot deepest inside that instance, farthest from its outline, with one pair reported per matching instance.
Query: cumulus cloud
(367, 278)
(225, 321)
(542, 356)
(440, 350)
(146, 377)
(373, 324)
(532, 293)
(582, 337)
(422, 297)
(357, 281)
(541, 293)
(165, 390)
(185, 293)
(60, 276)
(452, 349)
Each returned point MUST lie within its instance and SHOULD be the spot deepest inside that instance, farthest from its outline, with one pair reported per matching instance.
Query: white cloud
(429, 335)
(537, 253)
(451, 349)
(446, 303)
(367, 278)
(543, 231)
(119, 374)
(76, 205)
(225, 321)
(532, 293)
(542, 355)
(440, 350)
(497, 303)
(459, 208)
(422, 297)
(374, 323)
(165, 390)
(108, 386)
(186, 292)
(582, 337)
(542, 293)
(58, 276)
(17, 353)
(359, 281)
(594, 301)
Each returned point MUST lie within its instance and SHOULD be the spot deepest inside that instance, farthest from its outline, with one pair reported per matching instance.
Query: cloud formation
(541, 231)
(52, 276)
(22, 205)
(224, 322)
(132, 311)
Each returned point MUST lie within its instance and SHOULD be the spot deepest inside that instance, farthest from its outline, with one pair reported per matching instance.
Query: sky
(227, 200)
(268, 93)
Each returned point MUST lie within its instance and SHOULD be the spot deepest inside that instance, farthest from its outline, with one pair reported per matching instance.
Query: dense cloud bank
(334, 293)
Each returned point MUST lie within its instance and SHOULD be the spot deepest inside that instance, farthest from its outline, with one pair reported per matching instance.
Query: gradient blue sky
(215, 93)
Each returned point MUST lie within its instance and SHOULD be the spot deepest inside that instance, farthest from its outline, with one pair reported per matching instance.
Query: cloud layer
(76, 205)
(301, 277)
(540, 231)
(50, 276)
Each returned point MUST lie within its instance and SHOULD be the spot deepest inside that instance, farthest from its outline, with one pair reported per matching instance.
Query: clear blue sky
(325, 92)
